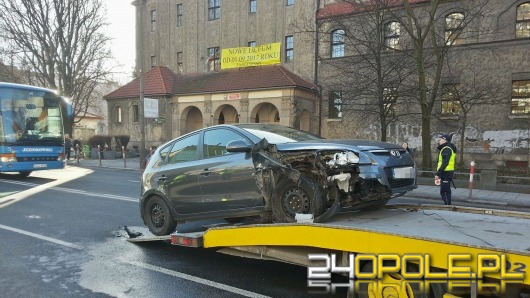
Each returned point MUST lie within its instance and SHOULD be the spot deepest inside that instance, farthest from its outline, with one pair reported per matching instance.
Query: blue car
(272, 171)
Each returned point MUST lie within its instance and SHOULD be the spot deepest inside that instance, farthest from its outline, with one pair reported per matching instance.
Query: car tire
(158, 218)
(290, 198)
(24, 173)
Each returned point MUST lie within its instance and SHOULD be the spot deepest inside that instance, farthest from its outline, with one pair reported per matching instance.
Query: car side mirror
(238, 146)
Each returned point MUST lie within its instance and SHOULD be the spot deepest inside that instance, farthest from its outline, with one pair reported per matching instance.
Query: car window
(276, 134)
(215, 141)
(164, 152)
(184, 150)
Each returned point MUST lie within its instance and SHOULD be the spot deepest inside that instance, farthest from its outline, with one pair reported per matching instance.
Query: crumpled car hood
(324, 144)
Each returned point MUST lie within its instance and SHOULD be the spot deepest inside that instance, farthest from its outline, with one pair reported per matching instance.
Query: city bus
(31, 128)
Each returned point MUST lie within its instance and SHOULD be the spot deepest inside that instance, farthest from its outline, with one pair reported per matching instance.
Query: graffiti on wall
(516, 141)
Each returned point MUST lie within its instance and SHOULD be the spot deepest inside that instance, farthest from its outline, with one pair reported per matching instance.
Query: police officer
(446, 167)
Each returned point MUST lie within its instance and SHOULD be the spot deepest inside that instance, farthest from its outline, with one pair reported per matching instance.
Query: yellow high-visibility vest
(451, 164)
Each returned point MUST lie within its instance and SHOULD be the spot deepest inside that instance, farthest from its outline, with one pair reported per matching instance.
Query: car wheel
(159, 219)
(290, 198)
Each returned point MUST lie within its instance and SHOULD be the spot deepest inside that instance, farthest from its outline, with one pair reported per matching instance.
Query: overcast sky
(122, 31)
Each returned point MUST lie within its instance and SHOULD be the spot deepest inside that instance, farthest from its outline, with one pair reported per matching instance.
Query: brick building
(324, 85)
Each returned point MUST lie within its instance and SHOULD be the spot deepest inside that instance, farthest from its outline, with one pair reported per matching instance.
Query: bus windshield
(30, 117)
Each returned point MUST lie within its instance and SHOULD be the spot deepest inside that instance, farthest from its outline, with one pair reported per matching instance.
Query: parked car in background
(241, 170)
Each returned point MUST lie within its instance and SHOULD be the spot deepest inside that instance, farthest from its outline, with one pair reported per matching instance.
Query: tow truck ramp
(444, 241)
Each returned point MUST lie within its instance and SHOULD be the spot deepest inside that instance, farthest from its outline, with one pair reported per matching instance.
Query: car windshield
(30, 117)
(276, 134)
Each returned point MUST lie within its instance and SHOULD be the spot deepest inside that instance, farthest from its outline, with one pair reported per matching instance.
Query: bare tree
(466, 94)
(403, 45)
(61, 43)
(371, 61)
(426, 28)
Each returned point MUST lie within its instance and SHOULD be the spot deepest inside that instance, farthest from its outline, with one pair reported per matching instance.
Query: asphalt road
(62, 236)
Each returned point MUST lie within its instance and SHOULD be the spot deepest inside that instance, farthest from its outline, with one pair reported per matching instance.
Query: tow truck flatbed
(433, 230)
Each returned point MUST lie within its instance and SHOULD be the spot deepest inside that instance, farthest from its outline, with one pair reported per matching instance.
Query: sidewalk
(429, 192)
(131, 164)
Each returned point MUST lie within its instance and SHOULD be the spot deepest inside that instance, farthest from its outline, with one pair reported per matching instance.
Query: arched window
(522, 25)
(453, 28)
(392, 32)
(337, 43)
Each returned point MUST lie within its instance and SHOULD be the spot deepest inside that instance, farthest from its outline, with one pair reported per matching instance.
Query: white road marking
(196, 279)
(145, 266)
(26, 193)
(36, 188)
(19, 196)
(53, 240)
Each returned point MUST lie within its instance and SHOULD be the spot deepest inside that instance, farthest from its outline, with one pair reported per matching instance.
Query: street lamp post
(140, 60)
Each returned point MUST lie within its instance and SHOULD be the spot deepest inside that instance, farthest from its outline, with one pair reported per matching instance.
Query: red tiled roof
(346, 8)
(157, 81)
(250, 78)
(162, 81)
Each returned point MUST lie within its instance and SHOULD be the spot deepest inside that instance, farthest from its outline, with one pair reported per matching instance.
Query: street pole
(471, 173)
(140, 60)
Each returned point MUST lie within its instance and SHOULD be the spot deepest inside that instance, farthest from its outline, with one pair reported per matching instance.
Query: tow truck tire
(290, 198)
(24, 173)
(158, 217)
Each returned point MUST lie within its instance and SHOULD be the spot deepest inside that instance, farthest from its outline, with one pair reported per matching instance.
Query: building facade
(483, 95)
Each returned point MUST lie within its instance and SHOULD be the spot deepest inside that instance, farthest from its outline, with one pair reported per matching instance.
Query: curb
(103, 167)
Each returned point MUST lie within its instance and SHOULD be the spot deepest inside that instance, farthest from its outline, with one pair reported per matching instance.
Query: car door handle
(206, 172)
(162, 178)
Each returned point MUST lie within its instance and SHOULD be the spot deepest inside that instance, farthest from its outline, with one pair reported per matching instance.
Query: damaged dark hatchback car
(271, 171)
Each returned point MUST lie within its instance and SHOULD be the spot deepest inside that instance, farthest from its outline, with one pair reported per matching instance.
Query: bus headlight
(8, 157)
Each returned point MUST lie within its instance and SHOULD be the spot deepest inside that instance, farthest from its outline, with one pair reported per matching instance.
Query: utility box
(488, 176)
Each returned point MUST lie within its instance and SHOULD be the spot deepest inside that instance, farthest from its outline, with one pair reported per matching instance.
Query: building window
(289, 2)
(392, 32)
(450, 101)
(289, 48)
(214, 62)
(252, 6)
(153, 61)
(453, 28)
(390, 96)
(118, 114)
(136, 113)
(214, 9)
(337, 43)
(522, 26)
(335, 105)
(153, 20)
(179, 15)
(520, 97)
(180, 68)
(251, 43)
